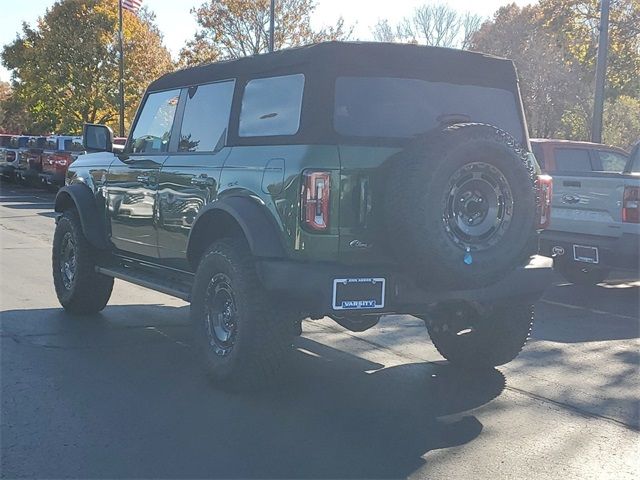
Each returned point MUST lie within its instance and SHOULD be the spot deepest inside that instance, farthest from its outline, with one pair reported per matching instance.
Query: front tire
(80, 289)
(241, 340)
(473, 339)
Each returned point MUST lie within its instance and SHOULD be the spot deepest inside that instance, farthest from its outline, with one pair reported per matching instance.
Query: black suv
(346, 180)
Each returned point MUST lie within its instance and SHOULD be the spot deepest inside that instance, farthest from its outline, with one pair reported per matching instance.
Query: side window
(206, 117)
(153, 129)
(611, 161)
(272, 106)
(573, 160)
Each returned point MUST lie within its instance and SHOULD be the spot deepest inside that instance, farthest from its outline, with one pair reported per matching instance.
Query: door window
(206, 117)
(612, 161)
(272, 106)
(153, 129)
(573, 160)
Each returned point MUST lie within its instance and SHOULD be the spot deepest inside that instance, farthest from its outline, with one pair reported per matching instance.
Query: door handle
(203, 181)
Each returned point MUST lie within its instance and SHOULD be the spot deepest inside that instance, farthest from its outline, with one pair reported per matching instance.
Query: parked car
(347, 180)
(30, 160)
(9, 161)
(59, 152)
(595, 226)
(5, 140)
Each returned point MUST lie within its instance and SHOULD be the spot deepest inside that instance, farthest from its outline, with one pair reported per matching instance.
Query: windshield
(405, 107)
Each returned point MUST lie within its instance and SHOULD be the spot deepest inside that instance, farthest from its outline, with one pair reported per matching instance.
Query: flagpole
(121, 82)
(272, 24)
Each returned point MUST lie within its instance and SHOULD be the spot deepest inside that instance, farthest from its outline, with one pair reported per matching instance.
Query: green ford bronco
(348, 180)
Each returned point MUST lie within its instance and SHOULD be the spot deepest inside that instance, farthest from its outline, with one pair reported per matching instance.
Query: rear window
(51, 143)
(272, 106)
(573, 160)
(405, 107)
(18, 142)
(73, 144)
(611, 161)
(4, 141)
(36, 142)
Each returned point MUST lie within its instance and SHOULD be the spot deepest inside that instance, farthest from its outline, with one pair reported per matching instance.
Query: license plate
(585, 254)
(358, 293)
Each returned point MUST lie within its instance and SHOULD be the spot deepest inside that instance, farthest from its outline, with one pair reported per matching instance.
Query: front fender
(80, 197)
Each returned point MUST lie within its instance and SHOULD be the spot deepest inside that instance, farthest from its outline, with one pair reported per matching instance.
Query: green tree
(576, 23)
(554, 45)
(65, 69)
(13, 116)
(622, 121)
(239, 28)
(549, 87)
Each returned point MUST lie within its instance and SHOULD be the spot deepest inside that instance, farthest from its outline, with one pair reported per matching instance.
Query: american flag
(132, 5)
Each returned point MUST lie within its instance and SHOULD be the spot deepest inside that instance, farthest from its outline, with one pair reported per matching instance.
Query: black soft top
(343, 58)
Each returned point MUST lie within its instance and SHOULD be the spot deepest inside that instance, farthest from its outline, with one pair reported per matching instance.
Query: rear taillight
(544, 190)
(316, 193)
(631, 205)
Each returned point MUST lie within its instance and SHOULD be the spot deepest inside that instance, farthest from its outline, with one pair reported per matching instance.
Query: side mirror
(97, 138)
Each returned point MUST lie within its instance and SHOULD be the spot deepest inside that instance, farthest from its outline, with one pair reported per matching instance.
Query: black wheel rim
(221, 314)
(478, 206)
(462, 322)
(68, 260)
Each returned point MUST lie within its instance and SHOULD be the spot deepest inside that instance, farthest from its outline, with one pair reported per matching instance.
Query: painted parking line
(592, 310)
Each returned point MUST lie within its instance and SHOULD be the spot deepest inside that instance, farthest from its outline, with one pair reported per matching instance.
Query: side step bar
(148, 281)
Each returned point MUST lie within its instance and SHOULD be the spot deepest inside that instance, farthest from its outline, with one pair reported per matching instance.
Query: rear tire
(582, 275)
(474, 340)
(80, 289)
(240, 338)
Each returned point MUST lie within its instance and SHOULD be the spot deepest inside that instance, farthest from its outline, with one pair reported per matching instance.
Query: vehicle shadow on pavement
(127, 399)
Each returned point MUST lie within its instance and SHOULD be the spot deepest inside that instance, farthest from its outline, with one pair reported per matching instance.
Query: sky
(178, 25)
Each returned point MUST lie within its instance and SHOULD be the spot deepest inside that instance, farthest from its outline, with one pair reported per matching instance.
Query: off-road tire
(88, 292)
(418, 194)
(262, 338)
(581, 275)
(498, 334)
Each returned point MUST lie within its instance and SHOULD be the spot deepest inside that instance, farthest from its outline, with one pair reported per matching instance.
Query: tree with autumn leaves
(554, 46)
(65, 69)
(240, 28)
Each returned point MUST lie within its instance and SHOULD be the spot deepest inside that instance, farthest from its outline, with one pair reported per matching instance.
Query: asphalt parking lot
(119, 395)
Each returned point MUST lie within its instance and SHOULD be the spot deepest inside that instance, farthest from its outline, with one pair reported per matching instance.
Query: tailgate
(588, 203)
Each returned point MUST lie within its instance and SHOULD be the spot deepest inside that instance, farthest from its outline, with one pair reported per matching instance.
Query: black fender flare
(255, 221)
(82, 198)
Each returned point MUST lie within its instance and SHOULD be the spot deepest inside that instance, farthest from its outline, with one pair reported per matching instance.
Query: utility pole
(601, 72)
(272, 24)
(121, 83)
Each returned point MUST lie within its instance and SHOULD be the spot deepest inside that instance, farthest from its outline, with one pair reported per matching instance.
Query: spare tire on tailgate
(460, 206)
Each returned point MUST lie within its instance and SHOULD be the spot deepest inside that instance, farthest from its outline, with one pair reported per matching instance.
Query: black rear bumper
(619, 253)
(311, 286)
